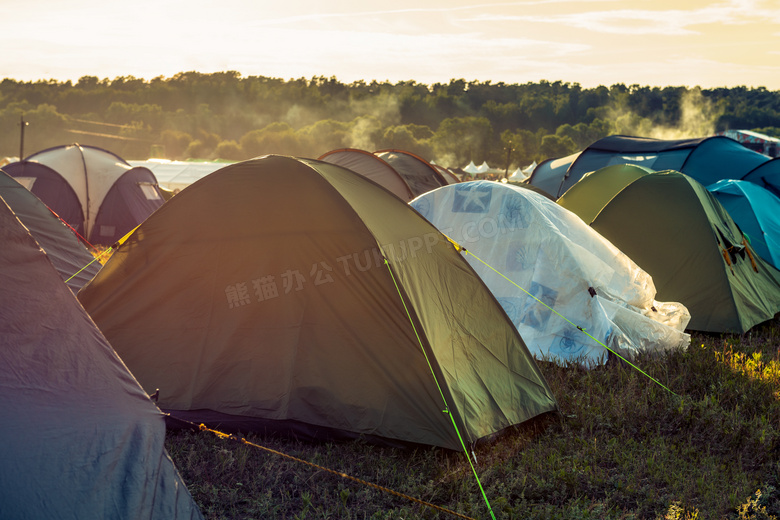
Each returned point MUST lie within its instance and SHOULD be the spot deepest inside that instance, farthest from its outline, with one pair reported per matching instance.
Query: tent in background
(372, 167)
(98, 193)
(72, 260)
(306, 303)
(587, 199)
(450, 177)
(471, 169)
(756, 211)
(536, 250)
(549, 175)
(80, 438)
(673, 228)
(706, 159)
(766, 175)
(419, 174)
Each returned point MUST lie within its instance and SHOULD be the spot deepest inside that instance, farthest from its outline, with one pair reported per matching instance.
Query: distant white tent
(471, 169)
(521, 174)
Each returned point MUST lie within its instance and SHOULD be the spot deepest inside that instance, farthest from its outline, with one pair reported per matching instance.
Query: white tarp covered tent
(538, 251)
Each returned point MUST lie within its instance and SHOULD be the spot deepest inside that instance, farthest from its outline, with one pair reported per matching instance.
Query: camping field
(622, 447)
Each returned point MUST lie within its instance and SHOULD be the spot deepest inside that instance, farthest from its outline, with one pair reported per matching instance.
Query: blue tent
(705, 159)
(755, 210)
(767, 175)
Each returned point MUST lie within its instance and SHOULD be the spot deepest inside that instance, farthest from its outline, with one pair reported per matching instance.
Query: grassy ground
(621, 448)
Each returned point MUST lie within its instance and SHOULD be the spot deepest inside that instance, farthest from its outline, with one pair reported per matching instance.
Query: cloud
(670, 22)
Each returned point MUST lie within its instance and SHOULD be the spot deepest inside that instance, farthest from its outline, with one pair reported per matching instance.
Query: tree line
(226, 116)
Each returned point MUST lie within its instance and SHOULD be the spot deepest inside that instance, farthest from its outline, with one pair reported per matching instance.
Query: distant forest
(227, 116)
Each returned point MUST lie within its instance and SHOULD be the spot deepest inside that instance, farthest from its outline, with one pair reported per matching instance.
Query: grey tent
(80, 438)
(292, 293)
(372, 167)
(72, 260)
(419, 174)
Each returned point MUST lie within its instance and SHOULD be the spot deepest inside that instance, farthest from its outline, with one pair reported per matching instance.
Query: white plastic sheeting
(553, 274)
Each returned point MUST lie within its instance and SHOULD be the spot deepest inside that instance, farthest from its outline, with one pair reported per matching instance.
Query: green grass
(621, 448)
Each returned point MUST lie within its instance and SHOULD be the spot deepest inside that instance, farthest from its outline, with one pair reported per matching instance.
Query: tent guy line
(242, 440)
(441, 393)
(578, 327)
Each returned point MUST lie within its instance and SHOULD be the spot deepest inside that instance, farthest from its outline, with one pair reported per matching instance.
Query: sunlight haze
(650, 42)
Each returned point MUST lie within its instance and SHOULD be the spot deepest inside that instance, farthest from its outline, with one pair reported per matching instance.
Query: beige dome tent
(95, 191)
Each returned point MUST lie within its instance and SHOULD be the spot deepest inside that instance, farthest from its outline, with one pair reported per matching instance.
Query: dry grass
(622, 447)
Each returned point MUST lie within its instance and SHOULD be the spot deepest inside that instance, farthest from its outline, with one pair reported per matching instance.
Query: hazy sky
(592, 42)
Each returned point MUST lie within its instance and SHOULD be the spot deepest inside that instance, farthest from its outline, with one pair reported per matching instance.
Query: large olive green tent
(295, 293)
(673, 228)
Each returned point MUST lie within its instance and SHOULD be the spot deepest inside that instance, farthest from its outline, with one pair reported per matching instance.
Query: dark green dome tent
(676, 230)
(80, 438)
(260, 297)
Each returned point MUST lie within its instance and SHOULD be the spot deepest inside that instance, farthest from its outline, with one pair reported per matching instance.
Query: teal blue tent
(766, 175)
(755, 210)
(705, 159)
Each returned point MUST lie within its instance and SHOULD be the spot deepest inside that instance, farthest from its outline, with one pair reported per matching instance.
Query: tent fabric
(677, 231)
(766, 175)
(755, 210)
(418, 173)
(706, 159)
(549, 175)
(52, 189)
(448, 176)
(372, 167)
(73, 261)
(279, 306)
(80, 438)
(611, 179)
(91, 175)
(527, 248)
